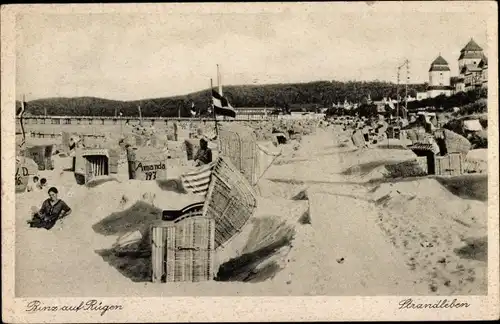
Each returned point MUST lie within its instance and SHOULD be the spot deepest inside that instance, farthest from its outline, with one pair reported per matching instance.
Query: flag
(198, 181)
(222, 105)
(193, 110)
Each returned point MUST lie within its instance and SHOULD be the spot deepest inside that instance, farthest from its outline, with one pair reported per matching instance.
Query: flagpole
(213, 108)
(219, 81)
(140, 114)
(21, 120)
(219, 84)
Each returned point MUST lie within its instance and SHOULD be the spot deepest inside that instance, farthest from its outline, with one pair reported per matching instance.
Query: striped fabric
(222, 106)
(198, 181)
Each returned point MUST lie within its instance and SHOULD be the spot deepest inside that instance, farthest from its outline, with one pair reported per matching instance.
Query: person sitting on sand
(32, 186)
(204, 154)
(42, 184)
(52, 210)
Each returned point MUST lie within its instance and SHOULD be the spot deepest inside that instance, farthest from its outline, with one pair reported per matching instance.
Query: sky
(157, 53)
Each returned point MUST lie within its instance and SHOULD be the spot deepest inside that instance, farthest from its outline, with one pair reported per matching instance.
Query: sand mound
(368, 170)
(138, 217)
(130, 205)
(263, 255)
(280, 188)
(367, 159)
(98, 182)
(286, 209)
(254, 255)
(430, 224)
(386, 169)
(258, 251)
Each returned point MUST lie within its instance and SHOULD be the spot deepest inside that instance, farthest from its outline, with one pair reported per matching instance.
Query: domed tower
(439, 78)
(471, 54)
(439, 73)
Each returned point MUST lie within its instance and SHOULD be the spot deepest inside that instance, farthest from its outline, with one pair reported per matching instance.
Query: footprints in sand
(430, 252)
(430, 226)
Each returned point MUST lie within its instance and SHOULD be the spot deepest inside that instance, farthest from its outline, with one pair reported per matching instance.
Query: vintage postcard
(250, 162)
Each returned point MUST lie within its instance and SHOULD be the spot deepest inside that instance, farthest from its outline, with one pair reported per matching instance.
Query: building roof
(470, 68)
(470, 55)
(439, 68)
(471, 47)
(439, 61)
(483, 63)
(439, 64)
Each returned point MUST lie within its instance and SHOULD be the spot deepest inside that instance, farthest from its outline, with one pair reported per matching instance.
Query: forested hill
(293, 95)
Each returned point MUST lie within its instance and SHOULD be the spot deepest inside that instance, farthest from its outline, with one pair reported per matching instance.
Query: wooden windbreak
(230, 200)
(239, 144)
(183, 251)
(452, 164)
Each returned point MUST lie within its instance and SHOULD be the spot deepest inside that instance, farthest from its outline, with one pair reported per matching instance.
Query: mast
(406, 88)
(219, 80)
(219, 84)
(213, 108)
(397, 96)
(21, 120)
(140, 114)
(406, 63)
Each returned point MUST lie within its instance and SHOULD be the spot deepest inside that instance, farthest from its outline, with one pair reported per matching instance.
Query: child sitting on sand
(41, 184)
(32, 186)
(52, 210)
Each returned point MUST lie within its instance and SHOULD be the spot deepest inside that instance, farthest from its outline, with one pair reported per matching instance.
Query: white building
(422, 95)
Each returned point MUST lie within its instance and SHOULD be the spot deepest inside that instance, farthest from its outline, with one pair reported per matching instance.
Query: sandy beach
(353, 232)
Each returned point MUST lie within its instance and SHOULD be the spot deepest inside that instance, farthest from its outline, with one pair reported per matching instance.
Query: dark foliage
(284, 97)
(448, 103)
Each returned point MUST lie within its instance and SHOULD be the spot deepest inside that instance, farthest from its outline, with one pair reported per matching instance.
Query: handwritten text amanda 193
(89, 305)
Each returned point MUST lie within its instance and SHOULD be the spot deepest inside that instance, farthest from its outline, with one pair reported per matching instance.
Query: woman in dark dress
(52, 210)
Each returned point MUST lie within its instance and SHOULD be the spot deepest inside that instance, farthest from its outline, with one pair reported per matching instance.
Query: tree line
(445, 103)
(289, 97)
(470, 102)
